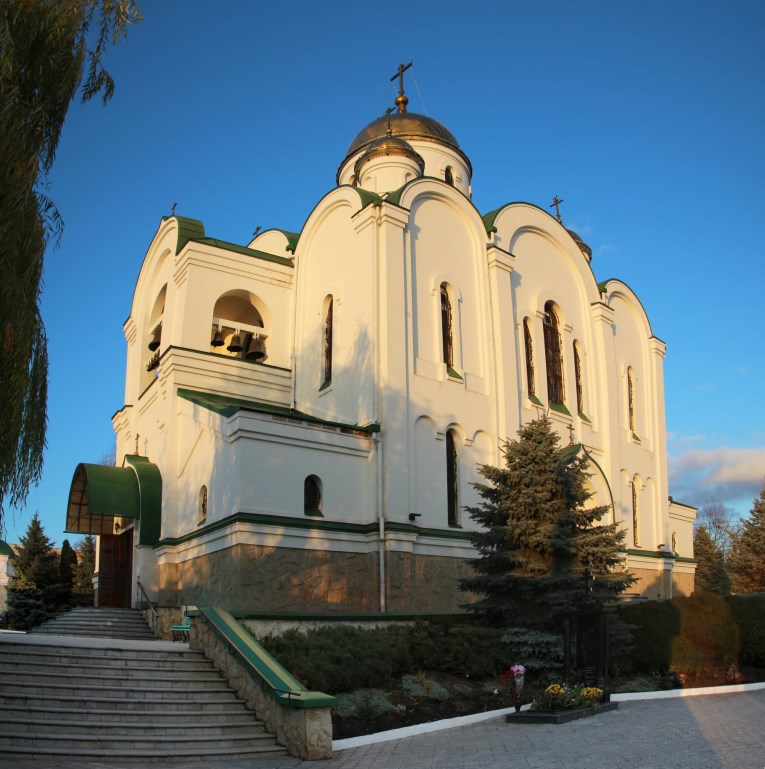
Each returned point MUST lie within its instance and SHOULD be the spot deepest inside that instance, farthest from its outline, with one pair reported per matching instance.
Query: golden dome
(388, 145)
(408, 126)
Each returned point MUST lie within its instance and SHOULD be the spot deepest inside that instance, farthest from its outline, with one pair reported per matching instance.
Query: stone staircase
(100, 623)
(120, 700)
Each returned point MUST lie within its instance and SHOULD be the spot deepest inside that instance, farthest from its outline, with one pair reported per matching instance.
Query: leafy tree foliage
(538, 543)
(711, 572)
(46, 50)
(33, 593)
(747, 559)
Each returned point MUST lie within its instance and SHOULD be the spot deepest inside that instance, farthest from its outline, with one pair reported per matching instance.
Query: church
(305, 414)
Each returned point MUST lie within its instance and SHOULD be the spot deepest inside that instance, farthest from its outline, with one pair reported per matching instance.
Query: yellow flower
(554, 690)
(592, 693)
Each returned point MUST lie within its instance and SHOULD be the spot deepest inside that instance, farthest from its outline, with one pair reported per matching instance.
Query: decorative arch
(313, 501)
(237, 328)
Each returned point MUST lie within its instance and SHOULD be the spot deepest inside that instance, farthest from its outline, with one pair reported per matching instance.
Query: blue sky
(646, 118)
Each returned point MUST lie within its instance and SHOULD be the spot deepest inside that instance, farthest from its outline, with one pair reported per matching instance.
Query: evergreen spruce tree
(33, 590)
(539, 545)
(711, 573)
(747, 559)
(86, 565)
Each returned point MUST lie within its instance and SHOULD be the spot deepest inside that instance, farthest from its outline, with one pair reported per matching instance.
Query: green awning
(99, 495)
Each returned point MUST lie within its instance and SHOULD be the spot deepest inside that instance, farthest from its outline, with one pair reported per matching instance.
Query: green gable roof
(227, 406)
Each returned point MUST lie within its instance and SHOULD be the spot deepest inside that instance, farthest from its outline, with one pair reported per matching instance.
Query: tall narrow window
(446, 327)
(578, 375)
(528, 344)
(328, 332)
(312, 502)
(635, 532)
(553, 356)
(452, 479)
(631, 398)
(449, 176)
(202, 506)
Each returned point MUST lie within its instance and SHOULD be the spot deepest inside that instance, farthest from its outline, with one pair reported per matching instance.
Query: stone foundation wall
(683, 584)
(268, 579)
(305, 732)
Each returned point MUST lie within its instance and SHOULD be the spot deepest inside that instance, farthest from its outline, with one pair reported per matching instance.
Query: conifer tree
(747, 559)
(539, 545)
(33, 590)
(711, 573)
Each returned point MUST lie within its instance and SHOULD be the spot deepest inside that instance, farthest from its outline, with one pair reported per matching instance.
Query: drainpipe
(377, 437)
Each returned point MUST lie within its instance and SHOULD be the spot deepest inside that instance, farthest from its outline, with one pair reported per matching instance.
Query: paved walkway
(706, 732)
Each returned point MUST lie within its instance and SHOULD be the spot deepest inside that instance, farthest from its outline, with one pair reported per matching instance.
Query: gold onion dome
(406, 126)
(583, 247)
(388, 145)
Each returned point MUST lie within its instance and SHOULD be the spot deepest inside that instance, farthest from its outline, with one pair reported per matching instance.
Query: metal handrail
(147, 607)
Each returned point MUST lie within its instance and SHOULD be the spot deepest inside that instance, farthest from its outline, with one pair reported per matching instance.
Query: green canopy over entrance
(99, 495)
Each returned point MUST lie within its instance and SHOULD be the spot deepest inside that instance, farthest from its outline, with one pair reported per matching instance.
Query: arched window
(449, 176)
(529, 349)
(312, 502)
(447, 340)
(631, 398)
(635, 520)
(452, 479)
(553, 357)
(578, 376)
(329, 304)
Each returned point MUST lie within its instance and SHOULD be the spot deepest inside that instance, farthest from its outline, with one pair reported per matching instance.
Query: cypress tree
(539, 545)
(67, 567)
(86, 565)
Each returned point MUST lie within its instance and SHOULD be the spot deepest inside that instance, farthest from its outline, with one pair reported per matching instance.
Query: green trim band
(651, 553)
(559, 407)
(315, 524)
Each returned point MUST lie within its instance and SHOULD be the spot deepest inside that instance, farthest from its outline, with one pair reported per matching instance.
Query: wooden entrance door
(115, 570)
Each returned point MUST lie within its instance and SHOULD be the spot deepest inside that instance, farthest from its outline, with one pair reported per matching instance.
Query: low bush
(368, 704)
(419, 686)
(342, 658)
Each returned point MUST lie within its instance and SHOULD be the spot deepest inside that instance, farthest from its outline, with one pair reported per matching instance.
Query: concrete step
(86, 621)
(217, 701)
(84, 665)
(232, 714)
(167, 692)
(29, 726)
(121, 702)
(128, 678)
(119, 757)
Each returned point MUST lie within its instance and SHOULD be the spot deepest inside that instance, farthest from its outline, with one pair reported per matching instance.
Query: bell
(256, 350)
(217, 340)
(235, 345)
(154, 344)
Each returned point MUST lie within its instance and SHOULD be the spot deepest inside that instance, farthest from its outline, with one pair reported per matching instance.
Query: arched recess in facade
(101, 496)
(597, 480)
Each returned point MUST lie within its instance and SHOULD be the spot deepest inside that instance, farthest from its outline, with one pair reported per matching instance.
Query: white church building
(305, 414)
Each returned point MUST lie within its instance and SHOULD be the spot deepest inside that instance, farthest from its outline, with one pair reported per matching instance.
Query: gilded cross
(401, 100)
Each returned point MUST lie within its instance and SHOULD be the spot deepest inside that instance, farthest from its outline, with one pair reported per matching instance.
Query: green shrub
(342, 658)
(749, 614)
(687, 634)
(364, 703)
(535, 649)
(419, 686)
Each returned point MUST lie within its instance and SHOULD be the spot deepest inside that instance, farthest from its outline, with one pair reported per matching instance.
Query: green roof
(227, 406)
(6, 549)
